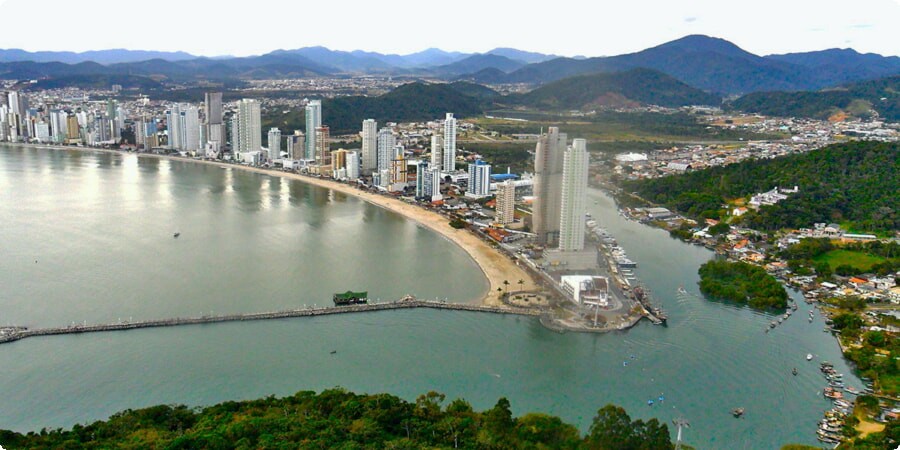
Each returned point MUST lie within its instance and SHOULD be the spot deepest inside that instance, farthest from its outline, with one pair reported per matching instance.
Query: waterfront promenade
(12, 334)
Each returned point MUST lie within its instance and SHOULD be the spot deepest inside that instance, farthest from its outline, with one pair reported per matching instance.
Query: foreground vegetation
(743, 283)
(856, 182)
(340, 419)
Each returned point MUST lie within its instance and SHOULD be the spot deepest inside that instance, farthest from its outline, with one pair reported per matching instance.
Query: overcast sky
(564, 27)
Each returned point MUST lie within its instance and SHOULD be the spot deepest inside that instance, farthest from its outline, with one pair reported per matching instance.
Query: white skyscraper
(506, 203)
(436, 185)
(437, 152)
(274, 144)
(574, 197)
(449, 153)
(189, 127)
(173, 123)
(369, 136)
(313, 123)
(352, 166)
(385, 143)
(479, 180)
(249, 126)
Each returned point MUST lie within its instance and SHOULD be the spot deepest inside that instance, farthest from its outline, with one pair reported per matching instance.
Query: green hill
(340, 419)
(632, 88)
(855, 100)
(857, 182)
(411, 102)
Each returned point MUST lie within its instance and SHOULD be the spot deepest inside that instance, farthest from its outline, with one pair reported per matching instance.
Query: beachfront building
(449, 148)
(323, 148)
(274, 144)
(436, 179)
(548, 172)
(574, 197)
(296, 146)
(247, 127)
(369, 135)
(213, 122)
(506, 203)
(313, 123)
(352, 166)
(385, 143)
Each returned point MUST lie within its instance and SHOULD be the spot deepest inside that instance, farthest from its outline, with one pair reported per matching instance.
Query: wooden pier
(12, 334)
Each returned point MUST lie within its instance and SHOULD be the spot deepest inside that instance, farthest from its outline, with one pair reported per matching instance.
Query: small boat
(794, 306)
(794, 371)
(737, 412)
(852, 390)
(649, 402)
(333, 352)
(176, 235)
(682, 290)
(809, 356)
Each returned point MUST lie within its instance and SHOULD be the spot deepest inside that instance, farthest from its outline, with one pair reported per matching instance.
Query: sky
(561, 27)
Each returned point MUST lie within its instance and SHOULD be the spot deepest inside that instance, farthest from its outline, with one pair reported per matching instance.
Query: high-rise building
(58, 125)
(214, 127)
(42, 132)
(249, 127)
(352, 166)
(369, 150)
(423, 180)
(73, 129)
(449, 151)
(399, 176)
(436, 179)
(548, 168)
(437, 152)
(296, 146)
(274, 144)
(339, 159)
(323, 146)
(574, 197)
(189, 127)
(385, 143)
(479, 180)
(506, 203)
(313, 123)
(173, 126)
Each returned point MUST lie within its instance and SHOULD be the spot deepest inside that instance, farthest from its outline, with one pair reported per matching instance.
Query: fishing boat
(176, 235)
(737, 412)
(809, 356)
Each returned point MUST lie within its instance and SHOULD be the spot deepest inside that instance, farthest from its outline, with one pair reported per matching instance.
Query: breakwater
(12, 334)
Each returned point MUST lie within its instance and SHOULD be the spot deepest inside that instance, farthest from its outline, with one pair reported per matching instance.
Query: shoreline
(494, 265)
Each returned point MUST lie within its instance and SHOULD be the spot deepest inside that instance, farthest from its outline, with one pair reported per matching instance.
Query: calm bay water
(88, 237)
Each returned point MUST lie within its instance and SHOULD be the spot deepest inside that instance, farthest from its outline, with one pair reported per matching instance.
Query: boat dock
(12, 334)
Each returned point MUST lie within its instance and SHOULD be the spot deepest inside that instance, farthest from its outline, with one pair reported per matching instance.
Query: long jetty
(12, 334)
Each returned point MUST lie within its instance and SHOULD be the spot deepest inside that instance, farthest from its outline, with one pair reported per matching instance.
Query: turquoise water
(100, 227)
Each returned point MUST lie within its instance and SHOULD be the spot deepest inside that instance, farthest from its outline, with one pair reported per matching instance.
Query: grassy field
(858, 260)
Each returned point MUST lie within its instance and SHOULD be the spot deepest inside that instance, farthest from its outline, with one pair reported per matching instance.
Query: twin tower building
(560, 191)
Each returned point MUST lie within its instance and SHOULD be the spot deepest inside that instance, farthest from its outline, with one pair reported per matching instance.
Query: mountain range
(710, 64)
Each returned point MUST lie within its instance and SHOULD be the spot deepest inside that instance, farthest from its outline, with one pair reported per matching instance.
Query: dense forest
(857, 99)
(743, 283)
(856, 183)
(413, 102)
(340, 419)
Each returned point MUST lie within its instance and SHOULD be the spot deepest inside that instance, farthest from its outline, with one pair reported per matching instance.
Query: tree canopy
(337, 418)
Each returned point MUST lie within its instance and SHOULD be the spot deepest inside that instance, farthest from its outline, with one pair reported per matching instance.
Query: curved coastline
(495, 266)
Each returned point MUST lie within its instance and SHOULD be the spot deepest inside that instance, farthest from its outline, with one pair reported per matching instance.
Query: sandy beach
(496, 266)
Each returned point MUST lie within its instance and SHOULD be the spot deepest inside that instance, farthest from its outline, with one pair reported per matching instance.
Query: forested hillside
(856, 100)
(856, 183)
(340, 419)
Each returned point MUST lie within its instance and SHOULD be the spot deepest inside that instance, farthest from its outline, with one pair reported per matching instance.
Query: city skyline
(598, 30)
